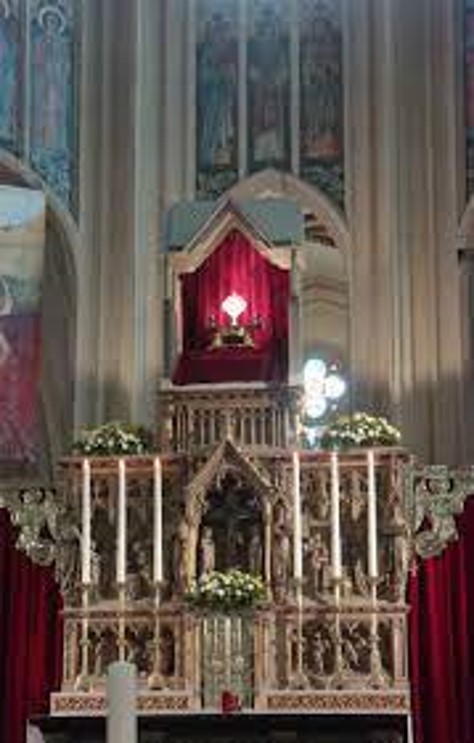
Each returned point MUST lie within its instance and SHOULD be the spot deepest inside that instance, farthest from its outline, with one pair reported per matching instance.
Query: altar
(227, 486)
(237, 729)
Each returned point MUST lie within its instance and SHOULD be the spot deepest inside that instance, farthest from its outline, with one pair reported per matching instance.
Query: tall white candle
(336, 560)
(297, 533)
(121, 524)
(121, 703)
(157, 521)
(86, 523)
(372, 515)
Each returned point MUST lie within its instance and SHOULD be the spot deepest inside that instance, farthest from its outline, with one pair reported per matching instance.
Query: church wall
(404, 196)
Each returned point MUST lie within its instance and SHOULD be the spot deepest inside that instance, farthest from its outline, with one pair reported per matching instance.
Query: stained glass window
(52, 99)
(321, 95)
(269, 85)
(268, 92)
(11, 75)
(216, 79)
(39, 44)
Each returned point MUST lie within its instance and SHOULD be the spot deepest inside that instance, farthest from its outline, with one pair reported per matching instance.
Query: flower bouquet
(226, 592)
(113, 439)
(360, 430)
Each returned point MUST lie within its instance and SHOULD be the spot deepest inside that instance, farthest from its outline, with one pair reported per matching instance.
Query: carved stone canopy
(226, 457)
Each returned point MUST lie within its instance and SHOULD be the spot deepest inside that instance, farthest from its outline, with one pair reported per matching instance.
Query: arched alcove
(58, 320)
(325, 264)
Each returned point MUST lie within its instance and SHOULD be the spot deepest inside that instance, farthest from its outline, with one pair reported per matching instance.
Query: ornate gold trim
(435, 494)
(92, 704)
(342, 702)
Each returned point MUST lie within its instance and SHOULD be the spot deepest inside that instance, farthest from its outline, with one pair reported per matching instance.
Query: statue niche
(231, 529)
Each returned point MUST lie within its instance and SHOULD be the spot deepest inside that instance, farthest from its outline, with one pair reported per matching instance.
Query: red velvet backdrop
(30, 636)
(441, 594)
(235, 266)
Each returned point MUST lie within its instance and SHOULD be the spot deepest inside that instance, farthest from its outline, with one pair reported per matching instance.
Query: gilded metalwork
(47, 530)
(435, 495)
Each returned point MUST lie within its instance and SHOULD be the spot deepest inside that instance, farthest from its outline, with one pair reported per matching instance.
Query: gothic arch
(225, 458)
(13, 171)
(326, 294)
(59, 312)
(225, 455)
(271, 182)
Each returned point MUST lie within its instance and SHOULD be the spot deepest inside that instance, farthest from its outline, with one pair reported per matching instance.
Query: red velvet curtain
(441, 594)
(30, 636)
(235, 266)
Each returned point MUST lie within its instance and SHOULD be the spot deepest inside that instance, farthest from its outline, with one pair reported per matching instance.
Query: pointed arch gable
(273, 183)
(226, 453)
(226, 218)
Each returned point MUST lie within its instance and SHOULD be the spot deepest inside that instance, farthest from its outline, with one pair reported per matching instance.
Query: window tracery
(268, 84)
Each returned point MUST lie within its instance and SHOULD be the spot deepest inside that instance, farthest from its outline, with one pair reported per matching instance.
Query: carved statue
(207, 551)
(319, 564)
(318, 647)
(349, 653)
(255, 551)
(180, 558)
(281, 556)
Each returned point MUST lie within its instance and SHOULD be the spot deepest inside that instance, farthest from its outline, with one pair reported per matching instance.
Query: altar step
(238, 728)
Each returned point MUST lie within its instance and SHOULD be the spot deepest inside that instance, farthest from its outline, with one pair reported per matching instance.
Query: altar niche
(231, 533)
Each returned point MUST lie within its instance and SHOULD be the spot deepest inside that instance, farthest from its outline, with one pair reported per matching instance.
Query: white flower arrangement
(226, 592)
(113, 439)
(360, 429)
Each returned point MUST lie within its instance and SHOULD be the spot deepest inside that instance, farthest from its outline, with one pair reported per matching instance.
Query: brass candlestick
(377, 674)
(338, 674)
(83, 681)
(122, 640)
(299, 679)
(155, 680)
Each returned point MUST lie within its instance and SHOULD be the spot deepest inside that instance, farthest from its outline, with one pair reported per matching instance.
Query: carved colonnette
(197, 417)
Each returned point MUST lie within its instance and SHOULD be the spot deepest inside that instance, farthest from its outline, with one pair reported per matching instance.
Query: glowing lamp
(323, 388)
(234, 305)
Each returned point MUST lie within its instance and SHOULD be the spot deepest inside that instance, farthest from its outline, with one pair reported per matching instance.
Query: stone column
(371, 207)
(148, 279)
(430, 191)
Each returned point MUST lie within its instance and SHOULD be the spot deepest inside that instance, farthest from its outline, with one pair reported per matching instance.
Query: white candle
(86, 523)
(297, 535)
(372, 515)
(335, 519)
(157, 521)
(121, 524)
(121, 703)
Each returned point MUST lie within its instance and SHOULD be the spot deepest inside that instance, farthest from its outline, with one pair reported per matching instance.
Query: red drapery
(235, 266)
(441, 595)
(30, 636)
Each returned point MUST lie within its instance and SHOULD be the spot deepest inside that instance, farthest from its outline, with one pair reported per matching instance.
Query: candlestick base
(156, 681)
(298, 590)
(299, 681)
(378, 677)
(83, 682)
(338, 676)
(337, 584)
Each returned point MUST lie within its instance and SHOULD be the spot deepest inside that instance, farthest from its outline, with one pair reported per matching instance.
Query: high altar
(231, 486)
